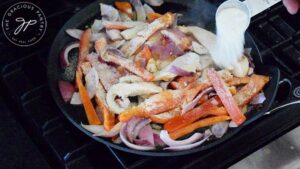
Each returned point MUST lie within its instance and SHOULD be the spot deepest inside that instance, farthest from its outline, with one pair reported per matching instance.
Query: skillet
(76, 115)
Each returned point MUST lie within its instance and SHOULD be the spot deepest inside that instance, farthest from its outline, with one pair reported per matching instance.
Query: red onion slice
(219, 129)
(188, 146)
(164, 136)
(259, 99)
(179, 72)
(131, 124)
(157, 140)
(189, 106)
(146, 133)
(133, 146)
(141, 124)
(66, 90)
(154, 2)
(64, 55)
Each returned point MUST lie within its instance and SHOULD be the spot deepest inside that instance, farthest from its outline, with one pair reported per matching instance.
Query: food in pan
(148, 83)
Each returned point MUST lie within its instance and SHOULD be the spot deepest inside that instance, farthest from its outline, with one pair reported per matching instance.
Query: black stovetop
(35, 134)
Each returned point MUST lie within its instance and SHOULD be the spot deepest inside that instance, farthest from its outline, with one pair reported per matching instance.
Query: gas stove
(46, 139)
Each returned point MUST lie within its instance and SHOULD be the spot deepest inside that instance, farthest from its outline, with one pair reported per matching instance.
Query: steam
(200, 13)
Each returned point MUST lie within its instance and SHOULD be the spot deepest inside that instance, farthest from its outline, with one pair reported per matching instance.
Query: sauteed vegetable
(152, 83)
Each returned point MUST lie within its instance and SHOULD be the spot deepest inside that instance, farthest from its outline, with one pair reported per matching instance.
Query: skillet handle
(291, 99)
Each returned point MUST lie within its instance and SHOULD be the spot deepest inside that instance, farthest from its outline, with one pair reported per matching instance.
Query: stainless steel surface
(283, 153)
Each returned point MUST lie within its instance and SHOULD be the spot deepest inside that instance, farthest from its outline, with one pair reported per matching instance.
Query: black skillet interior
(203, 15)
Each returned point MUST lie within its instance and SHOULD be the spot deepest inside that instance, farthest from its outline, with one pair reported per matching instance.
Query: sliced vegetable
(203, 110)
(131, 32)
(148, 9)
(189, 106)
(114, 34)
(87, 104)
(159, 103)
(179, 38)
(164, 136)
(121, 25)
(97, 26)
(162, 118)
(179, 71)
(188, 62)
(108, 117)
(64, 55)
(189, 146)
(124, 90)
(66, 90)
(201, 123)
(139, 9)
(99, 130)
(258, 99)
(255, 85)
(117, 57)
(133, 146)
(146, 134)
(226, 97)
(133, 112)
(219, 129)
(84, 46)
(91, 82)
(76, 100)
(166, 50)
(124, 7)
(139, 126)
(75, 33)
(134, 44)
(109, 13)
(130, 126)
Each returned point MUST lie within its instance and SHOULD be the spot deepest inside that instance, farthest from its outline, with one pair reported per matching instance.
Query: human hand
(292, 6)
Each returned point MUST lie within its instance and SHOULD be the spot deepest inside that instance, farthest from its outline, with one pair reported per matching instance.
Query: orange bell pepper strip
(250, 90)
(166, 116)
(124, 7)
(189, 117)
(87, 104)
(201, 123)
(108, 117)
(238, 81)
(226, 97)
(132, 112)
(84, 45)
(152, 16)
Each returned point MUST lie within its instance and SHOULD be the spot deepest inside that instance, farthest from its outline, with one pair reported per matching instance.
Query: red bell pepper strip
(226, 98)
